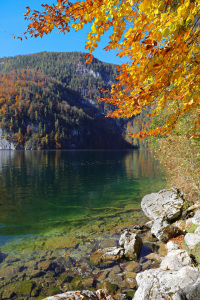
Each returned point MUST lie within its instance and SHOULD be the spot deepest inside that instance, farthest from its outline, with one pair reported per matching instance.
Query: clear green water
(52, 192)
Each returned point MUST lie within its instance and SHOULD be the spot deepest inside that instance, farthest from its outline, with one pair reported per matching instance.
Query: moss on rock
(53, 290)
(25, 288)
(109, 288)
(76, 283)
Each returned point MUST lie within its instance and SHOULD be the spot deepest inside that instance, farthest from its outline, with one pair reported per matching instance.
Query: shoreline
(72, 267)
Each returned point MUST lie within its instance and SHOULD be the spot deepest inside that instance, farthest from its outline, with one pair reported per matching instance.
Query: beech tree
(161, 40)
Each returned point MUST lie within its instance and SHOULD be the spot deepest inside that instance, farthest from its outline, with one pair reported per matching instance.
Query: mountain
(49, 101)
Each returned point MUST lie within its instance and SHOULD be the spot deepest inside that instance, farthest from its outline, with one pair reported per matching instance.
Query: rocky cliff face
(4, 144)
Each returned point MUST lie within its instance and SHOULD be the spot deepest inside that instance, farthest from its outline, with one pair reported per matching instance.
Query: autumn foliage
(160, 38)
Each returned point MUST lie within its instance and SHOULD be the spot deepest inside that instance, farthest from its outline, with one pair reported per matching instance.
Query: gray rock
(165, 203)
(77, 295)
(172, 246)
(175, 260)
(194, 206)
(192, 240)
(154, 256)
(164, 231)
(132, 244)
(196, 218)
(197, 231)
(149, 224)
(4, 144)
(133, 267)
(189, 221)
(157, 284)
(190, 292)
(113, 253)
(107, 254)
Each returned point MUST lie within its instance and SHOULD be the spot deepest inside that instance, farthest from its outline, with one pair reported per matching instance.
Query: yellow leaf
(165, 32)
(195, 49)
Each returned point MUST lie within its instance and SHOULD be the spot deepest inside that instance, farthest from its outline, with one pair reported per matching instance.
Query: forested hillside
(49, 100)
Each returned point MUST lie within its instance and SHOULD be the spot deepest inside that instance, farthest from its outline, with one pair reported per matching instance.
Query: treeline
(44, 108)
(68, 68)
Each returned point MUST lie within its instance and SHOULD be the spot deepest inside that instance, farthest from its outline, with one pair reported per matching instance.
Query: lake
(58, 204)
(45, 190)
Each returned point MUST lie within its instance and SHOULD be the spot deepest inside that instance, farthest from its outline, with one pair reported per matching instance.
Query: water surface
(52, 192)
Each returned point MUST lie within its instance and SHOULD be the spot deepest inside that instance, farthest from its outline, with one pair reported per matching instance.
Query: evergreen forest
(49, 100)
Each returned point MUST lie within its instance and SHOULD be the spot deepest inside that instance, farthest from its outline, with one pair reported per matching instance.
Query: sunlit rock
(165, 203)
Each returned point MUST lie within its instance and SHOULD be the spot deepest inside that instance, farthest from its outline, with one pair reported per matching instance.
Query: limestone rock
(175, 260)
(196, 218)
(111, 253)
(172, 246)
(133, 267)
(77, 295)
(197, 231)
(190, 292)
(149, 224)
(131, 275)
(4, 144)
(154, 256)
(157, 284)
(165, 203)
(164, 231)
(192, 239)
(189, 221)
(132, 244)
(194, 206)
(130, 282)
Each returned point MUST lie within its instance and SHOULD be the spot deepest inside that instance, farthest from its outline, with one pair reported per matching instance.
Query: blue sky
(12, 22)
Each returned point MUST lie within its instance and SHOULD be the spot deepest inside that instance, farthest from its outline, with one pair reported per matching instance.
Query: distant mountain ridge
(49, 101)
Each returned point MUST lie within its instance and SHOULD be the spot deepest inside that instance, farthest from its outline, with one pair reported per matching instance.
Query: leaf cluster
(160, 38)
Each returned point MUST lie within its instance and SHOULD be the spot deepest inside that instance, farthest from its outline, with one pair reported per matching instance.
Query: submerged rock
(165, 203)
(76, 295)
(111, 253)
(2, 256)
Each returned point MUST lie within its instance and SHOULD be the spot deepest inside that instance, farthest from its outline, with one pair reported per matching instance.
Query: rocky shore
(158, 260)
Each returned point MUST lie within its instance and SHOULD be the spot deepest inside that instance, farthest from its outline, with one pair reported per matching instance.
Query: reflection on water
(41, 189)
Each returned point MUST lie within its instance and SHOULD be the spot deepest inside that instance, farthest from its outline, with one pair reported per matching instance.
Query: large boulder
(132, 244)
(190, 292)
(157, 284)
(165, 203)
(164, 231)
(175, 260)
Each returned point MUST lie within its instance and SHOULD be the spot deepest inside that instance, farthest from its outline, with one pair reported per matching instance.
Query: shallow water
(58, 207)
(43, 192)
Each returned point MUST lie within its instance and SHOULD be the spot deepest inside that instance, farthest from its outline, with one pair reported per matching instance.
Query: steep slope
(49, 100)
